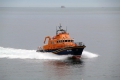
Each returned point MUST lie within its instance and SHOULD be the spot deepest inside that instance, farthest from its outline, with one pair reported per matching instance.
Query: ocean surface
(22, 30)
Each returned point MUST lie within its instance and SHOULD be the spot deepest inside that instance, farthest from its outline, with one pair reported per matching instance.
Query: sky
(58, 3)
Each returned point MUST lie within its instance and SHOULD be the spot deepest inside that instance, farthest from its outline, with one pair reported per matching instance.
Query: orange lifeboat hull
(62, 44)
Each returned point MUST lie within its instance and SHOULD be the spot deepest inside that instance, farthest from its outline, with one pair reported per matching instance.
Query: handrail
(79, 43)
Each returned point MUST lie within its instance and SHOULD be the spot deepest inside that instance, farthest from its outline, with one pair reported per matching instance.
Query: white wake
(32, 54)
(87, 54)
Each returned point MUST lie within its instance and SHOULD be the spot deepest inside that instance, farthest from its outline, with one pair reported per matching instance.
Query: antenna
(60, 26)
(66, 28)
(56, 30)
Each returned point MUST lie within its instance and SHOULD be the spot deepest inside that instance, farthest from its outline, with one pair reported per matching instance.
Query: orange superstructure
(60, 40)
(62, 44)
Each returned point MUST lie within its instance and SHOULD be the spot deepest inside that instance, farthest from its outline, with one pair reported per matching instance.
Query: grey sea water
(22, 30)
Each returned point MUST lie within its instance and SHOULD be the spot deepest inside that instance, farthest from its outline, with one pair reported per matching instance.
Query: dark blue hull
(66, 51)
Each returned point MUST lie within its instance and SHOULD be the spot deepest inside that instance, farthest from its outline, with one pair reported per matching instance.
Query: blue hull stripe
(67, 51)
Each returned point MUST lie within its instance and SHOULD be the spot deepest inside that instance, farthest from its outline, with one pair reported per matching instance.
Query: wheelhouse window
(61, 41)
(65, 40)
(72, 40)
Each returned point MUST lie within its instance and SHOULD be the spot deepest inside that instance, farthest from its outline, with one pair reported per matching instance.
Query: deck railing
(79, 43)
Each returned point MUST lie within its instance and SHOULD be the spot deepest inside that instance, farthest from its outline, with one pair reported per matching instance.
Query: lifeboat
(62, 44)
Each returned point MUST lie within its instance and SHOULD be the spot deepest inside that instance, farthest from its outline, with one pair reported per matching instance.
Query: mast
(60, 29)
(60, 26)
(66, 28)
(56, 30)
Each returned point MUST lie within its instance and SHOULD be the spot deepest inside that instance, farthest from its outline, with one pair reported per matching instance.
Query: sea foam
(12, 53)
